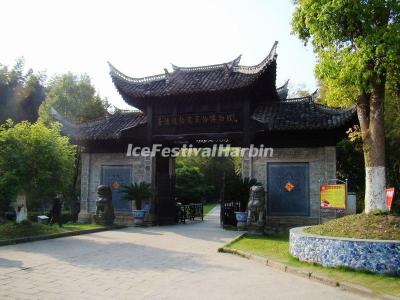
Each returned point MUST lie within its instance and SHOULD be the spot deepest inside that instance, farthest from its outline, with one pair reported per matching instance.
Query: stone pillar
(148, 163)
(84, 215)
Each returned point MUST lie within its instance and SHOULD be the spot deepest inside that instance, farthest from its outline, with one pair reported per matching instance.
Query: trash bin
(43, 219)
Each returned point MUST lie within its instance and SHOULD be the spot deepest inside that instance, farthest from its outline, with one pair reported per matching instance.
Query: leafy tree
(34, 159)
(20, 93)
(350, 158)
(74, 97)
(358, 45)
(191, 184)
(392, 126)
(213, 169)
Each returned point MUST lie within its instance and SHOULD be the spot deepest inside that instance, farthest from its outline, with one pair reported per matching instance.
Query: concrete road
(173, 262)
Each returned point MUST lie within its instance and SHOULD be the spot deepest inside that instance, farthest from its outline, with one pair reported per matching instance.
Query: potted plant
(137, 193)
(240, 190)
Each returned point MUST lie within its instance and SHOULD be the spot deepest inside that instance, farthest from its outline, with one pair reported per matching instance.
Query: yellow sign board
(333, 196)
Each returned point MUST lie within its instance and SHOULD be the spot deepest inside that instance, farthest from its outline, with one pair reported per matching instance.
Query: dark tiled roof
(292, 114)
(185, 80)
(301, 114)
(109, 127)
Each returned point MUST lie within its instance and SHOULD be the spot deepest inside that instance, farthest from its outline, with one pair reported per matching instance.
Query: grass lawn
(276, 247)
(11, 230)
(362, 226)
(208, 207)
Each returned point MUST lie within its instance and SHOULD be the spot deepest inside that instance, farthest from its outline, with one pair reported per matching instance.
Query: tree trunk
(21, 210)
(371, 116)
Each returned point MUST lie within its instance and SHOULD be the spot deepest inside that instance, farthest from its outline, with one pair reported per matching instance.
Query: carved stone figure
(104, 209)
(256, 206)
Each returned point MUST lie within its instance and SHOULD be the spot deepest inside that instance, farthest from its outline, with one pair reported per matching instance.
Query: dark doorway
(165, 190)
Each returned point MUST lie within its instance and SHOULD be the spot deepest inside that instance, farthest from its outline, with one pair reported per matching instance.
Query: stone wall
(377, 256)
(142, 170)
(322, 165)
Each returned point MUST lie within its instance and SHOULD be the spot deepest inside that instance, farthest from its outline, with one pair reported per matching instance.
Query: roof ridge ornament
(231, 64)
(236, 61)
(167, 75)
(60, 118)
(259, 67)
(283, 90)
(283, 86)
(314, 96)
(115, 72)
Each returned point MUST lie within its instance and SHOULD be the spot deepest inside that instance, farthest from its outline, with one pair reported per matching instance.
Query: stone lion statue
(256, 206)
(104, 209)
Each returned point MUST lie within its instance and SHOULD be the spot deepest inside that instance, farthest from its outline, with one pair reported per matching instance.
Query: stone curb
(57, 235)
(234, 240)
(350, 287)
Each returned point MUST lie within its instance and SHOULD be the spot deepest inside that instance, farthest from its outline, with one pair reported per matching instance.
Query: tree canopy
(20, 93)
(191, 184)
(212, 169)
(358, 42)
(74, 97)
(35, 159)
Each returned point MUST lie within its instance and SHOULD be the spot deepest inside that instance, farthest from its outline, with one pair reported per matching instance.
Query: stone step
(302, 221)
(284, 224)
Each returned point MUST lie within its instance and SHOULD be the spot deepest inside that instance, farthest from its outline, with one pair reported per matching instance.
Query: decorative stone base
(284, 224)
(377, 256)
(149, 219)
(241, 226)
(123, 218)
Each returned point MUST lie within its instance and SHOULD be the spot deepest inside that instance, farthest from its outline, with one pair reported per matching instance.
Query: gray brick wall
(322, 164)
(91, 174)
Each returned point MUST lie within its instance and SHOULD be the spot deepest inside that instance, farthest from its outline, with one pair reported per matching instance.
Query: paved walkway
(173, 262)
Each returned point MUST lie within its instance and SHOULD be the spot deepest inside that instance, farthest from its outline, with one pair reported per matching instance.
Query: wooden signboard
(226, 118)
(333, 196)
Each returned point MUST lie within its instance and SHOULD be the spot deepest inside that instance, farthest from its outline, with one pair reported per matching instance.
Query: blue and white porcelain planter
(241, 218)
(377, 256)
(138, 216)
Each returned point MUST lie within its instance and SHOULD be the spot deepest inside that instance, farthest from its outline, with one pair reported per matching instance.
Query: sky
(142, 37)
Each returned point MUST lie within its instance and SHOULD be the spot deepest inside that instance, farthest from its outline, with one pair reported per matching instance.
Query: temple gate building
(225, 103)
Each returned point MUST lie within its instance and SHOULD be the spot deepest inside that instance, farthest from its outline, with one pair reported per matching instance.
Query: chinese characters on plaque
(197, 119)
